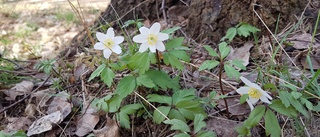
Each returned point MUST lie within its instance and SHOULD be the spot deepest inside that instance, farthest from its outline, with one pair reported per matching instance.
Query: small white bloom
(108, 43)
(151, 38)
(255, 93)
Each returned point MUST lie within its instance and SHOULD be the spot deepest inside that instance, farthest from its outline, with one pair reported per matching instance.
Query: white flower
(108, 43)
(151, 38)
(255, 93)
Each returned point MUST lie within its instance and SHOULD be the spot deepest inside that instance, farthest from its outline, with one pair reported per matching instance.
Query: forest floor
(33, 30)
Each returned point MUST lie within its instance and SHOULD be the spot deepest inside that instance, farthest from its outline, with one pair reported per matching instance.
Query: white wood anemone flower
(108, 43)
(255, 93)
(151, 38)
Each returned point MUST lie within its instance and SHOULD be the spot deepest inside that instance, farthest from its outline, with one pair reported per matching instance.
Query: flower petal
(152, 49)
(144, 30)
(116, 49)
(250, 105)
(118, 40)
(160, 46)
(140, 38)
(253, 100)
(264, 93)
(99, 46)
(155, 28)
(163, 36)
(110, 33)
(143, 47)
(264, 99)
(101, 37)
(243, 90)
(107, 53)
(247, 82)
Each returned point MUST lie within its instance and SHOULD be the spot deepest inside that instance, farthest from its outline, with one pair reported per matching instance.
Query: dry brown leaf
(43, 96)
(242, 53)
(22, 88)
(79, 70)
(45, 123)
(223, 127)
(60, 103)
(87, 121)
(30, 110)
(110, 129)
(15, 124)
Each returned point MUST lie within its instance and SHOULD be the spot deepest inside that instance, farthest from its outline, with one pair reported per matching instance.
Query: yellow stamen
(108, 43)
(152, 39)
(254, 93)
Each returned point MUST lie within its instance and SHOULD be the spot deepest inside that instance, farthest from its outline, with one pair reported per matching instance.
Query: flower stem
(221, 87)
(158, 59)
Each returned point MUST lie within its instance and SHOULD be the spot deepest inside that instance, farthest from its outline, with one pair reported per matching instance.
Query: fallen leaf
(79, 70)
(43, 96)
(87, 121)
(242, 53)
(60, 103)
(45, 123)
(30, 110)
(22, 88)
(110, 129)
(17, 123)
(223, 127)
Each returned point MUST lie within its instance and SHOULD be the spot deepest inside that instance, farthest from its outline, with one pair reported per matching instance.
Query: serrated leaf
(126, 86)
(272, 124)
(183, 95)
(256, 115)
(245, 30)
(239, 64)
(162, 80)
(130, 109)
(208, 64)
(174, 43)
(115, 103)
(175, 114)
(170, 30)
(107, 76)
(199, 123)
(181, 135)
(231, 72)
(180, 54)
(140, 61)
(230, 34)
(298, 106)
(97, 72)
(284, 98)
(243, 98)
(206, 134)
(282, 109)
(124, 120)
(224, 50)
(172, 60)
(296, 95)
(159, 99)
(307, 103)
(158, 117)
(212, 52)
(146, 81)
(177, 125)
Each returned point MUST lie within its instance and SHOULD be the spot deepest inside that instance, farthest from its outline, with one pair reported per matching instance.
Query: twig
(221, 87)
(158, 59)
(164, 11)
(19, 101)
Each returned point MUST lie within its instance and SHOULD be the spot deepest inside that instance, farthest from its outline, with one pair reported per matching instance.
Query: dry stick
(164, 11)
(158, 59)
(221, 87)
(19, 101)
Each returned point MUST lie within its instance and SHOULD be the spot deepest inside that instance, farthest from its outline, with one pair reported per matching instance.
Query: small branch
(221, 87)
(164, 11)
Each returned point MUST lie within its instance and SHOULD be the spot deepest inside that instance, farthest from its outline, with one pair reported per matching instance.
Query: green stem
(221, 87)
(158, 59)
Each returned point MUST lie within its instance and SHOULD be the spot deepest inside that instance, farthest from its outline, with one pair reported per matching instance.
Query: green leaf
(107, 76)
(199, 123)
(177, 125)
(239, 64)
(282, 109)
(169, 58)
(298, 106)
(158, 117)
(180, 54)
(208, 64)
(256, 115)
(307, 103)
(159, 99)
(146, 81)
(125, 111)
(284, 98)
(272, 124)
(245, 30)
(243, 98)
(174, 43)
(126, 86)
(181, 135)
(170, 30)
(206, 134)
(224, 50)
(296, 95)
(231, 72)
(115, 103)
(140, 61)
(97, 72)
(162, 80)
(175, 114)
(270, 86)
(231, 33)
(183, 95)
(211, 51)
